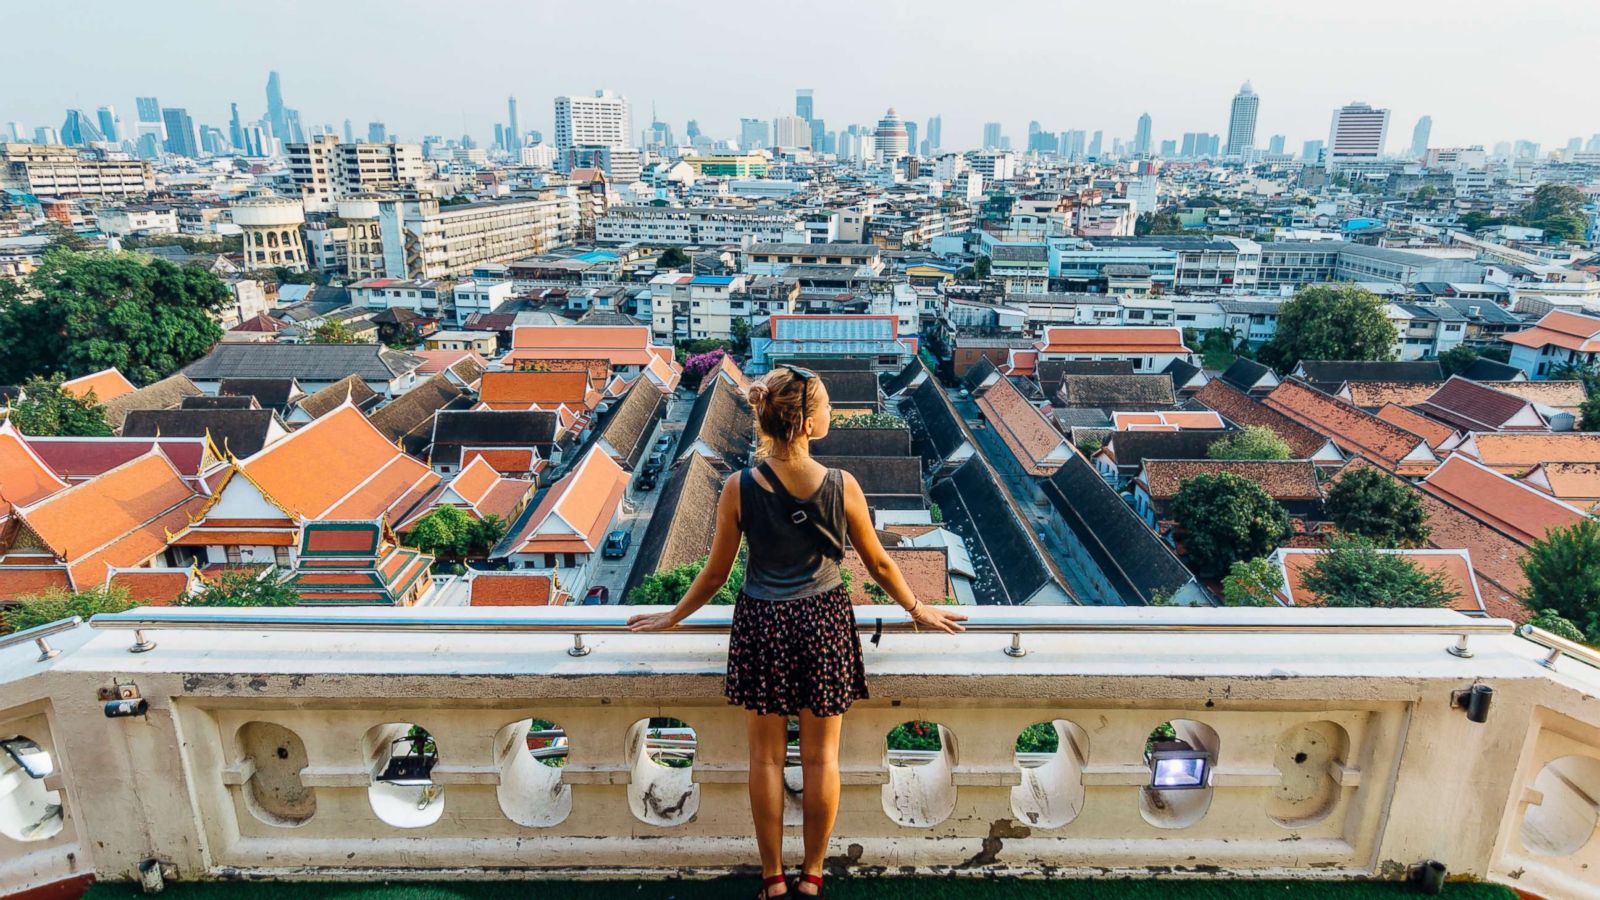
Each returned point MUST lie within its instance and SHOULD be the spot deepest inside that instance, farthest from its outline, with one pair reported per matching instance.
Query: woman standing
(794, 650)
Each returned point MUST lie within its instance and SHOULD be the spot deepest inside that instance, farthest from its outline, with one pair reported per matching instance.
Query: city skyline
(1297, 99)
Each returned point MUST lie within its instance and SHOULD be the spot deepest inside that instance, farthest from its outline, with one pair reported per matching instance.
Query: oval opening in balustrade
(1051, 756)
(1309, 757)
(402, 757)
(663, 791)
(1564, 819)
(920, 757)
(793, 777)
(1180, 755)
(28, 811)
(275, 794)
(531, 754)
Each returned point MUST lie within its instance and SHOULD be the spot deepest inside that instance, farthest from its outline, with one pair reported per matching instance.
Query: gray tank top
(785, 560)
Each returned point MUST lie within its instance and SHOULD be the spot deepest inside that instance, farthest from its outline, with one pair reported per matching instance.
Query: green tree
(1254, 442)
(45, 410)
(673, 258)
(82, 312)
(246, 587)
(1425, 194)
(333, 331)
(1457, 359)
(739, 331)
(1590, 420)
(1563, 572)
(981, 266)
(1353, 573)
(1226, 518)
(1476, 219)
(1342, 322)
(406, 338)
(58, 603)
(1556, 208)
(1252, 582)
(484, 533)
(445, 532)
(1368, 503)
(1156, 223)
(1551, 621)
(668, 587)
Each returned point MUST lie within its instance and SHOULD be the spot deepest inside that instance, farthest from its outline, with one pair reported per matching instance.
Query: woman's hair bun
(758, 394)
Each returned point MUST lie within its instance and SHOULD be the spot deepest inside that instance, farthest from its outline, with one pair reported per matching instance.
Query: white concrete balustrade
(1337, 751)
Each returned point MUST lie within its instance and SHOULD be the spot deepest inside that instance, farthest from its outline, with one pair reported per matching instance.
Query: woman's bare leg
(769, 737)
(819, 759)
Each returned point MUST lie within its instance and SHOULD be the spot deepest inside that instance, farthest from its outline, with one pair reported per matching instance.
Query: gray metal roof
(306, 362)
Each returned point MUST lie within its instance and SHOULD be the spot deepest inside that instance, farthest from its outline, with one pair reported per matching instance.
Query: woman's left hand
(652, 622)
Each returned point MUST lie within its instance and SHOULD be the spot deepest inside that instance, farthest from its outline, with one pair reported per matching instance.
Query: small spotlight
(1475, 700)
(32, 758)
(1177, 766)
(120, 709)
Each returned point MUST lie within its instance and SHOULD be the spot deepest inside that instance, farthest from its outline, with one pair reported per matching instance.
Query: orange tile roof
(926, 570)
(1353, 430)
(513, 589)
(1568, 331)
(106, 384)
(120, 518)
(474, 480)
(29, 581)
(152, 587)
(24, 478)
(1436, 433)
(1516, 509)
(1563, 395)
(509, 460)
(577, 510)
(1038, 445)
(339, 466)
(1022, 362)
(1177, 419)
(1369, 394)
(622, 345)
(1494, 554)
(526, 390)
(1515, 453)
(203, 538)
(1112, 339)
(1577, 483)
(1454, 565)
(1289, 479)
(1244, 411)
(436, 361)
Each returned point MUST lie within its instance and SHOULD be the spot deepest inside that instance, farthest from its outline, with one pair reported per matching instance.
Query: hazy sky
(1486, 71)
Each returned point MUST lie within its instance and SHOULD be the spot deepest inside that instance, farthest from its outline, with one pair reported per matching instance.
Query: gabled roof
(621, 345)
(1567, 396)
(1294, 563)
(477, 489)
(1374, 394)
(849, 441)
(269, 393)
(541, 390)
(1168, 420)
(721, 424)
(1248, 375)
(853, 388)
(454, 430)
(1136, 562)
(575, 512)
(1036, 444)
(340, 466)
(1132, 448)
(351, 387)
(925, 569)
(1116, 391)
(882, 477)
(1516, 509)
(1245, 411)
(167, 393)
(1010, 568)
(514, 588)
(936, 430)
(1289, 480)
(1469, 406)
(240, 432)
(1576, 483)
(81, 458)
(1485, 369)
(1050, 371)
(686, 517)
(1436, 433)
(905, 378)
(1185, 375)
(627, 425)
(306, 362)
(106, 384)
(1514, 453)
(24, 476)
(1328, 373)
(1353, 430)
(1112, 339)
(408, 418)
(1569, 331)
(466, 363)
(153, 586)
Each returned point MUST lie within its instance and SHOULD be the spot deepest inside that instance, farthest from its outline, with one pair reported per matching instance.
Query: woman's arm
(724, 549)
(882, 568)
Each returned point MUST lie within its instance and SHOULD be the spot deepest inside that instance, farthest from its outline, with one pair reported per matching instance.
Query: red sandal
(769, 882)
(812, 880)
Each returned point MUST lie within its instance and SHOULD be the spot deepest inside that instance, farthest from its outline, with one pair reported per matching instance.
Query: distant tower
(235, 128)
(991, 135)
(1419, 137)
(890, 138)
(1357, 134)
(349, 132)
(803, 104)
(514, 131)
(110, 125)
(935, 126)
(1242, 121)
(1141, 136)
(280, 127)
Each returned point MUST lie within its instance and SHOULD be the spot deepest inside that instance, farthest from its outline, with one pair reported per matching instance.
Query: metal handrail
(39, 634)
(717, 620)
(1559, 647)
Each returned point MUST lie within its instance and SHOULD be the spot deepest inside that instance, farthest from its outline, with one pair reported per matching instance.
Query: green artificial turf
(744, 888)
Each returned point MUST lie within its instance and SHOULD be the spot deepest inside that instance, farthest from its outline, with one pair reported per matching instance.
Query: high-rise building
(1072, 144)
(280, 126)
(212, 141)
(691, 129)
(1419, 137)
(791, 131)
(181, 138)
(79, 130)
(935, 138)
(602, 120)
(1095, 144)
(1141, 136)
(1311, 152)
(1356, 135)
(819, 135)
(148, 109)
(911, 138)
(803, 104)
(110, 125)
(349, 132)
(44, 134)
(513, 128)
(1276, 143)
(890, 137)
(1242, 121)
(991, 135)
(377, 133)
(291, 122)
(753, 135)
(1574, 145)
(235, 128)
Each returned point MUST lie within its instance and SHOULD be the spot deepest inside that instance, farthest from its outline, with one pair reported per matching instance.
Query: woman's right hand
(661, 621)
(941, 618)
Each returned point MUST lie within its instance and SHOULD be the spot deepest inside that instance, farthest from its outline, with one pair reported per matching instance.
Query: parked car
(616, 546)
(599, 595)
(663, 443)
(646, 481)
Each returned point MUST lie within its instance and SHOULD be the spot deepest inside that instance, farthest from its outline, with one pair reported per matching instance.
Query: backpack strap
(807, 515)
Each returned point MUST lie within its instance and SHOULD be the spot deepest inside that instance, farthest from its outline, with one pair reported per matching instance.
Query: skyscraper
(280, 127)
(819, 135)
(602, 120)
(513, 129)
(349, 132)
(1141, 136)
(991, 135)
(1275, 144)
(1356, 134)
(78, 129)
(1095, 144)
(791, 131)
(753, 135)
(1242, 121)
(911, 138)
(236, 127)
(803, 104)
(110, 125)
(1419, 137)
(1072, 144)
(935, 126)
(291, 122)
(148, 109)
(692, 130)
(181, 138)
(377, 133)
(1311, 151)
(890, 137)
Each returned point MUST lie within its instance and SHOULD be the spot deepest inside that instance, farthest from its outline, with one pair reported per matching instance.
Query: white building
(1357, 135)
(271, 228)
(324, 169)
(604, 119)
(480, 296)
(689, 226)
(422, 239)
(48, 170)
(138, 220)
(1242, 121)
(890, 139)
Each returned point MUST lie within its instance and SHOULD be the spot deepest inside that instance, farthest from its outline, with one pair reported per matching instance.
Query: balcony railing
(306, 743)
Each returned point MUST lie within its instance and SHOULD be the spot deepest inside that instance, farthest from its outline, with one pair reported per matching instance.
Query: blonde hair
(782, 401)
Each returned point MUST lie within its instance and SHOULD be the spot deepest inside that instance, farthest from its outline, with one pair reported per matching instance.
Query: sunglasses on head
(805, 376)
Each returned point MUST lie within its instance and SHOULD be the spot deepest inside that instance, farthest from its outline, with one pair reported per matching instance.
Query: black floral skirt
(789, 655)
